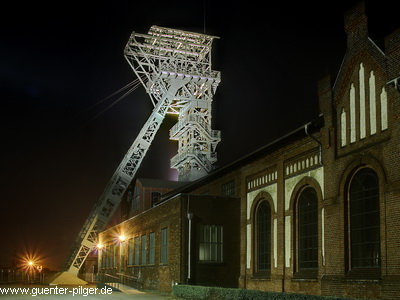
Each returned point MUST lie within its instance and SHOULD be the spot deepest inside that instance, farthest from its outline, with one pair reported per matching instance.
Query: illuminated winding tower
(175, 68)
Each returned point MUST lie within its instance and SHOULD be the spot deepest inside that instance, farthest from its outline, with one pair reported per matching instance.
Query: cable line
(106, 98)
(112, 104)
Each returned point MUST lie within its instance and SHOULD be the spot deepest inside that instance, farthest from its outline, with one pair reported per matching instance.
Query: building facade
(316, 211)
(329, 202)
(182, 239)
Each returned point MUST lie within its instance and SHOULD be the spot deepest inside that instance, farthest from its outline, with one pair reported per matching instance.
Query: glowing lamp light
(121, 238)
(99, 246)
(30, 263)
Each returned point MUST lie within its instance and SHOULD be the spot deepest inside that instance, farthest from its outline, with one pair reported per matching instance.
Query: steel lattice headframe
(174, 66)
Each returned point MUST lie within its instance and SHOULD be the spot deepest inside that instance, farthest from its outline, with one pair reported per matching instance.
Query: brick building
(316, 211)
(182, 238)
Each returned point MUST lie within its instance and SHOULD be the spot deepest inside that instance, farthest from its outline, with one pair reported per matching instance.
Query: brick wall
(172, 214)
(152, 276)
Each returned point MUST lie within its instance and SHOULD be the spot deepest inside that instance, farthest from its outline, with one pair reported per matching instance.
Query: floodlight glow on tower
(175, 67)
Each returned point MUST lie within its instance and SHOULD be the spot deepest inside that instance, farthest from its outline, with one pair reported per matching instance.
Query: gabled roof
(359, 46)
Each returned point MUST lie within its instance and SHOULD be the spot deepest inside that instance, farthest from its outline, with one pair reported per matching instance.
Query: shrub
(217, 293)
(192, 292)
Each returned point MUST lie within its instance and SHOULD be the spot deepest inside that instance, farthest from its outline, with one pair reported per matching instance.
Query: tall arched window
(307, 210)
(364, 220)
(263, 226)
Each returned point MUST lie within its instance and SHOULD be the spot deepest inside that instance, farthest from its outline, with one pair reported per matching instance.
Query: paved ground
(87, 292)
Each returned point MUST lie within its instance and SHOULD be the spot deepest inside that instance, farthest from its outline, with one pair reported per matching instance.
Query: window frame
(262, 272)
(306, 233)
(130, 252)
(228, 189)
(155, 197)
(135, 199)
(363, 271)
(152, 248)
(143, 245)
(164, 246)
(136, 253)
(211, 243)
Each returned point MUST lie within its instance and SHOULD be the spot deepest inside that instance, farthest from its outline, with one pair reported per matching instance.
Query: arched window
(263, 229)
(307, 240)
(364, 220)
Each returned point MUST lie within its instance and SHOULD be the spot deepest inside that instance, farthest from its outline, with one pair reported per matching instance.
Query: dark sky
(57, 60)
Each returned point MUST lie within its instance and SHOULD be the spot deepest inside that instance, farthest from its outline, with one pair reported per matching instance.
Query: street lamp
(30, 269)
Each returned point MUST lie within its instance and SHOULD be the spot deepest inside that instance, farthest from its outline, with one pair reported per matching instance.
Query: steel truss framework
(174, 66)
(168, 53)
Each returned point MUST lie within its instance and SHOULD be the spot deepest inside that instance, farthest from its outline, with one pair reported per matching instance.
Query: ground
(87, 292)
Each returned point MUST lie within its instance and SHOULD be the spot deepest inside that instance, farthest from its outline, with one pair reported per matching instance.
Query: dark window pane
(211, 243)
(364, 220)
(264, 236)
(308, 229)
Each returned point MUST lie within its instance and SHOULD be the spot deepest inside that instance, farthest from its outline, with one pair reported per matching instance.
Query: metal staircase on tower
(174, 66)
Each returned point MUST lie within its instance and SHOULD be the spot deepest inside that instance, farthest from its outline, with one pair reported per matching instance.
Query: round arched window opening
(263, 237)
(307, 229)
(364, 219)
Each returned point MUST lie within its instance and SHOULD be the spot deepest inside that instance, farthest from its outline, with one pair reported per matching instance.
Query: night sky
(57, 61)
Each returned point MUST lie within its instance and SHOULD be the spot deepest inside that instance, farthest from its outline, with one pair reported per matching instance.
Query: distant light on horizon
(29, 256)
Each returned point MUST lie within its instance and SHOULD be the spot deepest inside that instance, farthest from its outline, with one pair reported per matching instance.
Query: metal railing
(130, 281)
(8, 275)
(109, 279)
(119, 280)
(12, 275)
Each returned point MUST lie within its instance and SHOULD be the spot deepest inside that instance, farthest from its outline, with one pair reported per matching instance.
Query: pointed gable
(359, 92)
